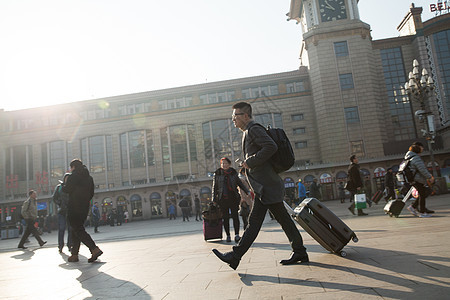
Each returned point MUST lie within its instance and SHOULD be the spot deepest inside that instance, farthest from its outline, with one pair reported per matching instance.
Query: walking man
(389, 184)
(95, 216)
(62, 201)
(258, 147)
(354, 184)
(198, 214)
(80, 187)
(301, 192)
(29, 213)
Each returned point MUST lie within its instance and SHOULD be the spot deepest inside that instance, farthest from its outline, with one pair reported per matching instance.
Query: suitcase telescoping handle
(289, 209)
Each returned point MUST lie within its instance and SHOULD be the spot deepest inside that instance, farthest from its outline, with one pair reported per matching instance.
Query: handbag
(360, 201)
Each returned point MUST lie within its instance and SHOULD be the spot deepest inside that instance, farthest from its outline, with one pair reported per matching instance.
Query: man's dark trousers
(30, 230)
(79, 233)
(256, 220)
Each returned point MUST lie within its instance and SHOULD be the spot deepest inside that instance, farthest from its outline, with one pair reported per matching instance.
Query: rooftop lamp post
(420, 87)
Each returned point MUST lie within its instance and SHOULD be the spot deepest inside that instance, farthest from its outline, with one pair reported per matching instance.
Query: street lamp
(420, 87)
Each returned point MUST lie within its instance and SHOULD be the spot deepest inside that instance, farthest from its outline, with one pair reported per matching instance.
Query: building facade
(147, 150)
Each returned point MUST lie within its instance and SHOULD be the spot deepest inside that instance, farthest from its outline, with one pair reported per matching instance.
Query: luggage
(212, 229)
(377, 197)
(395, 207)
(323, 225)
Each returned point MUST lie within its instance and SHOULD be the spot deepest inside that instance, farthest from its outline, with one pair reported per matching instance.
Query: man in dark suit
(258, 147)
(354, 184)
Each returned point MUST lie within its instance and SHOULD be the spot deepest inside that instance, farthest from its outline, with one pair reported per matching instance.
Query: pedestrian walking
(61, 199)
(95, 216)
(172, 211)
(258, 147)
(301, 192)
(422, 181)
(184, 205)
(314, 190)
(389, 184)
(354, 184)
(80, 187)
(341, 191)
(226, 195)
(198, 213)
(29, 213)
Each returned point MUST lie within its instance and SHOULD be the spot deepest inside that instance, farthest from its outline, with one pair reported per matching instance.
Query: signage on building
(121, 200)
(440, 6)
(325, 178)
(289, 182)
(41, 205)
(379, 172)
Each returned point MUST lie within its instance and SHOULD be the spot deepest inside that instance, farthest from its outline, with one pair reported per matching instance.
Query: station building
(147, 150)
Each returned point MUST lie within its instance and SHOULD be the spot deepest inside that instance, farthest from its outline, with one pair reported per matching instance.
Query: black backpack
(405, 172)
(284, 158)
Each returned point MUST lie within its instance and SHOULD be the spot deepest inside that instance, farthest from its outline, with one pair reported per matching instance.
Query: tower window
(341, 49)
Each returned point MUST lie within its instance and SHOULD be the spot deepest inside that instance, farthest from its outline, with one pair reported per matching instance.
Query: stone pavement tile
(279, 291)
(420, 292)
(216, 294)
(363, 293)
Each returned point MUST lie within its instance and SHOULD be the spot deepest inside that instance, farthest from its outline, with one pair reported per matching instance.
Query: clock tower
(337, 48)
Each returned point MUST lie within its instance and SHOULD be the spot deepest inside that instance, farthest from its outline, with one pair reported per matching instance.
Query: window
(133, 145)
(346, 81)
(398, 101)
(351, 114)
(93, 151)
(297, 86)
(297, 117)
(341, 49)
(301, 144)
(357, 148)
(178, 144)
(299, 130)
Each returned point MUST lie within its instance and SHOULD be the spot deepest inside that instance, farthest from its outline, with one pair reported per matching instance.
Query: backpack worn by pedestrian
(405, 172)
(284, 158)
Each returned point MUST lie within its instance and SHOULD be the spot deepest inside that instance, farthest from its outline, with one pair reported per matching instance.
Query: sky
(59, 51)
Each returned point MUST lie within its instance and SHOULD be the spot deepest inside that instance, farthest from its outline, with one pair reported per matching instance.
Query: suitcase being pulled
(395, 207)
(323, 225)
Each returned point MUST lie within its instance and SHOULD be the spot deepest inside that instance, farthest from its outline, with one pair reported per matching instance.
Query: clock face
(331, 10)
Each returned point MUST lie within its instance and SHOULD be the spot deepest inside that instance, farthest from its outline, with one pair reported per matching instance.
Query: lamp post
(420, 87)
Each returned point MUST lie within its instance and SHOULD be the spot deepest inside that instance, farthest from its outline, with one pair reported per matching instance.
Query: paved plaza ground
(395, 258)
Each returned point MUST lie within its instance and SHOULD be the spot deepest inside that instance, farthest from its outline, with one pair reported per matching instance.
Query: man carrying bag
(354, 185)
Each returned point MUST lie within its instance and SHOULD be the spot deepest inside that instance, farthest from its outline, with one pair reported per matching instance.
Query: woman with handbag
(225, 194)
(354, 184)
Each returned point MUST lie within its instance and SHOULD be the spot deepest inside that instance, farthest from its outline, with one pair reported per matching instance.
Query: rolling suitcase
(323, 225)
(212, 229)
(395, 207)
(377, 197)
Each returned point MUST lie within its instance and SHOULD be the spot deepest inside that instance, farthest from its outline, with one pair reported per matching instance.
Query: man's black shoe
(43, 243)
(21, 247)
(362, 214)
(227, 257)
(295, 257)
(351, 210)
(428, 211)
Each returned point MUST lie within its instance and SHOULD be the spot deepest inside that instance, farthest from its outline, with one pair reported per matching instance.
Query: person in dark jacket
(389, 184)
(95, 216)
(354, 184)
(314, 190)
(184, 205)
(80, 187)
(61, 199)
(226, 195)
(258, 148)
(422, 181)
(198, 213)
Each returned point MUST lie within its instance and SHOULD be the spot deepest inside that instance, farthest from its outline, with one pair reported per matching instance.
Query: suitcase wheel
(355, 239)
(343, 253)
(396, 216)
